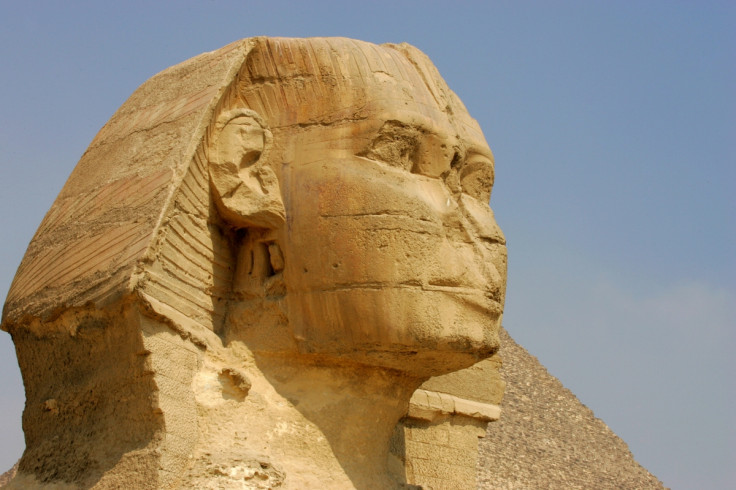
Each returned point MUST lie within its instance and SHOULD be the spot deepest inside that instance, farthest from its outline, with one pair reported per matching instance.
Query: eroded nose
(484, 246)
(482, 220)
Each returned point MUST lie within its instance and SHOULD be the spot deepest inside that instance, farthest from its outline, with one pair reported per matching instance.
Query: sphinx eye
(476, 177)
(395, 144)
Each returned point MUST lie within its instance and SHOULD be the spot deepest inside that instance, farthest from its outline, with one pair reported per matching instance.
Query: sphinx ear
(244, 186)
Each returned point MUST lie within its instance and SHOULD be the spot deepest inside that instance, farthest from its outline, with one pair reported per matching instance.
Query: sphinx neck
(356, 407)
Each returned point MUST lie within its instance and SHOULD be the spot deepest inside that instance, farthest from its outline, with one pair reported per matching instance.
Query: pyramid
(546, 438)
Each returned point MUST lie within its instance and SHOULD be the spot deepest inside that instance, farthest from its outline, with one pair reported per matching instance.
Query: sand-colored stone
(439, 454)
(430, 405)
(257, 262)
(481, 382)
(8, 475)
(276, 267)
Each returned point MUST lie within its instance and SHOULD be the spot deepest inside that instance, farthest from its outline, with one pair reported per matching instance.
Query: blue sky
(614, 130)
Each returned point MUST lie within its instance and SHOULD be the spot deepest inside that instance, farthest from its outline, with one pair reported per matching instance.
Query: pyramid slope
(546, 438)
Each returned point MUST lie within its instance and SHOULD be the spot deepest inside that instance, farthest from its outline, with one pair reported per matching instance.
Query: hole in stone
(234, 384)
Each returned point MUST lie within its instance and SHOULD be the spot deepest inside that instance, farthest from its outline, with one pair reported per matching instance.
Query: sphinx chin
(421, 333)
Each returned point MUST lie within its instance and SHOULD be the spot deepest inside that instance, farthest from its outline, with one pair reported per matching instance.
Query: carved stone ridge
(431, 405)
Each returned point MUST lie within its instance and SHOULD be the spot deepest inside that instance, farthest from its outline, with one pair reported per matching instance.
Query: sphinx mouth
(487, 300)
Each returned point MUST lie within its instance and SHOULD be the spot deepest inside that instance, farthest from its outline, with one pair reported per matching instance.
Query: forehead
(325, 81)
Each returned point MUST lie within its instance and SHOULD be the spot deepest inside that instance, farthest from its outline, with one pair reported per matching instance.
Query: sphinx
(273, 265)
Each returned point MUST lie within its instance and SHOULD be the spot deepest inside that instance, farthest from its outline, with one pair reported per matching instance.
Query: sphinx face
(393, 256)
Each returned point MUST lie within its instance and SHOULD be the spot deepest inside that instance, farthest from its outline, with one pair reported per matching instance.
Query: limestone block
(430, 405)
(481, 382)
(442, 453)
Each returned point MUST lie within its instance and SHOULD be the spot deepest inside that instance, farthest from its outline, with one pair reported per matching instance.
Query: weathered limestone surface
(8, 475)
(254, 266)
(546, 438)
(276, 267)
(89, 245)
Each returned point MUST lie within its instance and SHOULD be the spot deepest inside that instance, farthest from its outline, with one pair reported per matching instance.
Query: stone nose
(485, 257)
(481, 219)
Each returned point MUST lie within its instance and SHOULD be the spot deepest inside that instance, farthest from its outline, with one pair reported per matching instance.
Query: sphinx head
(357, 186)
